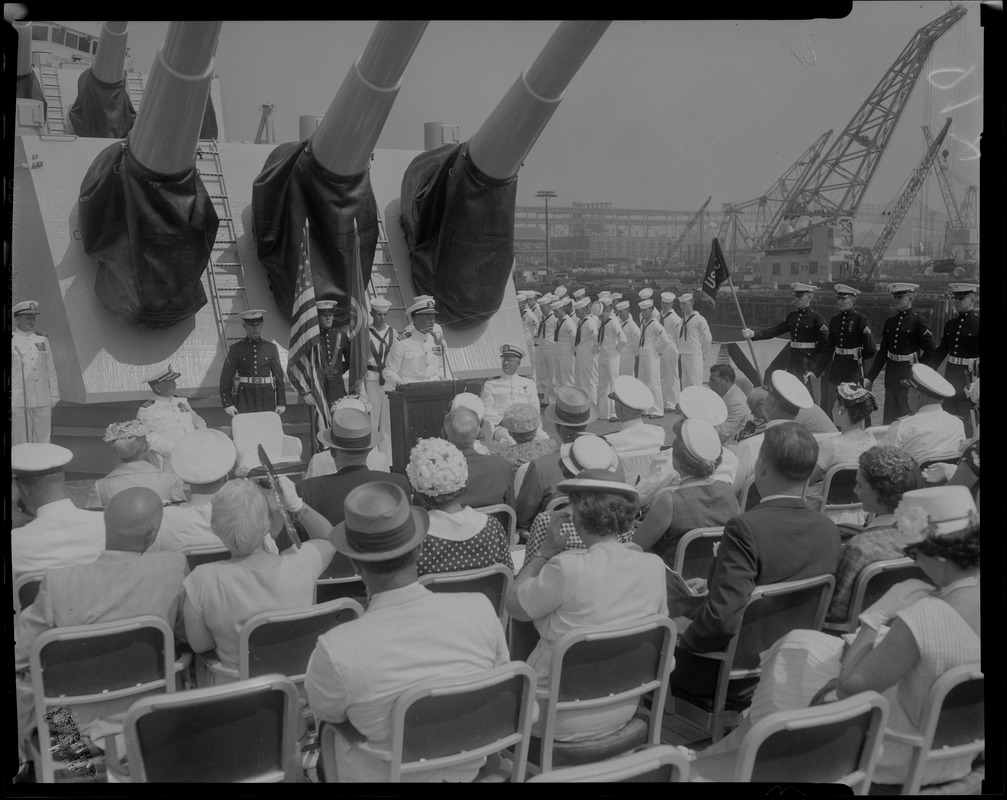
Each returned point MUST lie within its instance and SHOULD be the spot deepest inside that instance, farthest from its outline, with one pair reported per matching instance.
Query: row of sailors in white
(602, 340)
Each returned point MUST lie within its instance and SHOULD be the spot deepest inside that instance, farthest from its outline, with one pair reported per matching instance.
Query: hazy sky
(662, 114)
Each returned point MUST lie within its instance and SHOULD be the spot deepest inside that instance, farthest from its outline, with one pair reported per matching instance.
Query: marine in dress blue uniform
(809, 336)
(334, 345)
(850, 343)
(960, 345)
(905, 340)
(256, 364)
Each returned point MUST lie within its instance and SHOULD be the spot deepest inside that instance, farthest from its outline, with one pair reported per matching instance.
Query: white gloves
(280, 409)
(939, 473)
(291, 501)
(231, 410)
(900, 596)
(747, 333)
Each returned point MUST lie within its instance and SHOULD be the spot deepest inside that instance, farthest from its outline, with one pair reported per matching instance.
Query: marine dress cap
(254, 315)
(596, 480)
(511, 350)
(632, 393)
(801, 288)
(379, 524)
(788, 387)
(949, 508)
(668, 297)
(33, 459)
(701, 440)
(929, 381)
(645, 304)
(583, 302)
(572, 407)
(646, 293)
(521, 418)
(842, 288)
(350, 431)
(381, 304)
(701, 402)
(588, 451)
(579, 293)
(203, 456)
(902, 288)
(163, 374)
(686, 297)
(422, 305)
(622, 305)
(325, 305)
(559, 291)
(26, 307)
(962, 288)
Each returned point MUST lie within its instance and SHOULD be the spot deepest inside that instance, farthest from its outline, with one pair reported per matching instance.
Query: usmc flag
(716, 271)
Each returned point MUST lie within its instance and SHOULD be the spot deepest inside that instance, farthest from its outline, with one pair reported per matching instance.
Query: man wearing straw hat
(407, 635)
(34, 387)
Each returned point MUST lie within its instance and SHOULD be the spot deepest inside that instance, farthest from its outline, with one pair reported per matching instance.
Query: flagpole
(737, 305)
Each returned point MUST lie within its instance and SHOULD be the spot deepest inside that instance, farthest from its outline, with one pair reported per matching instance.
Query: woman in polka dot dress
(459, 537)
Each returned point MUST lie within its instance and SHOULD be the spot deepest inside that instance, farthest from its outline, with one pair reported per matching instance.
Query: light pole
(545, 194)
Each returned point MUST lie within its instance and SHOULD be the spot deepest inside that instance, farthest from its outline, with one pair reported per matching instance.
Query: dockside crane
(901, 206)
(673, 247)
(962, 219)
(831, 193)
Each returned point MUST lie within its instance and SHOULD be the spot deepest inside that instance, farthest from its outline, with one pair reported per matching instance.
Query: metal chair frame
(866, 591)
(651, 763)
(20, 584)
(510, 513)
(692, 537)
(472, 580)
(827, 481)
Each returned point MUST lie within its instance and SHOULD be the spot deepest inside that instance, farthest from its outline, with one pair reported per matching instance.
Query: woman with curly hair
(885, 473)
(129, 442)
(459, 537)
(906, 641)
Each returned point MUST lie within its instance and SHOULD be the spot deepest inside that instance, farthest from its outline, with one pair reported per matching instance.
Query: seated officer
(502, 392)
(930, 430)
(168, 418)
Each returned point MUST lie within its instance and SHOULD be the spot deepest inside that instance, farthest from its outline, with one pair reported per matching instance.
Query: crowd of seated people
(598, 549)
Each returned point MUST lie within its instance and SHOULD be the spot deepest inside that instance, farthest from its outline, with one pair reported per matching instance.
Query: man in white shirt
(632, 398)
(422, 355)
(34, 388)
(653, 341)
(930, 430)
(61, 534)
(627, 356)
(694, 340)
(564, 335)
(169, 418)
(670, 382)
(722, 377)
(585, 347)
(611, 343)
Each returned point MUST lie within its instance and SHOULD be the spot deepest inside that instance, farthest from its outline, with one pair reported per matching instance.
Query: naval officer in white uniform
(421, 355)
(168, 418)
(34, 388)
(502, 392)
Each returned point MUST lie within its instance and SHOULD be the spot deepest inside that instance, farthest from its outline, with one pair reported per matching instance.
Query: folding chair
(771, 611)
(604, 666)
(837, 490)
(952, 725)
(26, 588)
(951, 457)
(447, 722)
(249, 430)
(241, 732)
(352, 586)
(637, 464)
(872, 582)
(493, 581)
(97, 670)
(660, 763)
(506, 516)
(559, 501)
(695, 552)
(195, 556)
(748, 497)
(834, 743)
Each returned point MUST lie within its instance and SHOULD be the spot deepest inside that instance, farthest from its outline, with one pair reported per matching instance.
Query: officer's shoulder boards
(402, 336)
(148, 404)
(40, 334)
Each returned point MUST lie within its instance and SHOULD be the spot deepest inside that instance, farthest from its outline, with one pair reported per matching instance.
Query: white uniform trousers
(380, 420)
(670, 384)
(692, 370)
(650, 374)
(546, 354)
(587, 374)
(565, 374)
(608, 371)
(30, 425)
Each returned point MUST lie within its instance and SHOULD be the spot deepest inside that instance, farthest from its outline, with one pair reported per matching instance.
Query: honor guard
(960, 345)
(627, 356)
(34, 388)
(809, 336)
(421, 355)
(380, 336)
(502, 392)
(255, 363)
(334, 344)
(850, 342)
(585, 347)
(168, 418)
(670, 381)
(694, 340)
(564, 336)
(905, 340)
(611, 343)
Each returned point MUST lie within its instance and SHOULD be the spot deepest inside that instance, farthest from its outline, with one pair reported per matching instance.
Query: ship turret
(31, 106)
(325, 179)
(103, 108)
(145, 216)
(458, 200)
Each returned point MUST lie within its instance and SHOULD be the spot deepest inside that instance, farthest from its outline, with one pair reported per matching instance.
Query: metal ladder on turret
(134, 88)
(384, 281)
(55, 122)
(225, 275)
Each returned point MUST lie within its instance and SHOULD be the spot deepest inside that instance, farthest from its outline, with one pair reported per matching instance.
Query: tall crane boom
(835, 188)
(673, 247)
(945, 183)
(905, 200)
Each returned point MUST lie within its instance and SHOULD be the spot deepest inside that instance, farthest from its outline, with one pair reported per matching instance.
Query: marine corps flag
(716, 271)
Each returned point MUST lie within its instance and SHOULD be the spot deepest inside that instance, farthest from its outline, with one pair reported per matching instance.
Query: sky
(662, 114)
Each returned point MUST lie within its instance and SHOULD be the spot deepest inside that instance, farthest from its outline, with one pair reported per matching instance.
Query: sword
(274, 487)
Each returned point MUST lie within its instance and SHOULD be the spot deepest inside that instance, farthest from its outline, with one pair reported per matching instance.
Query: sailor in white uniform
(526, 304)
(611, 343)
(653, 340)
(421, 356)
(34, 388)
(694, 340)
(545, 348)
(168, 418)
(646, 293)
(670, 383)
(627, 356)
(564, 336)
(380, 337)
(585, 347)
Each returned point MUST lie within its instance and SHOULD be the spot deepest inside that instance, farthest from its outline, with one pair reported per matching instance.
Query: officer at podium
(421, 355)
(256, 364)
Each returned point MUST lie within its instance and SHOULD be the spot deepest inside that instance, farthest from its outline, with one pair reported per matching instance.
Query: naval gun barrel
(345, 138)
(166, 132)
(111, 56)
(511, 130)
(23, 28)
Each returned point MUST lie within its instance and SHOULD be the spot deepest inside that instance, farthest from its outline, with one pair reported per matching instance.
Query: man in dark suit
(778, 540)
(489, 476)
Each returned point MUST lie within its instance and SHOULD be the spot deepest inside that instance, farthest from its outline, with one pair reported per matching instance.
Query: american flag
(304, 363)
(359, 344)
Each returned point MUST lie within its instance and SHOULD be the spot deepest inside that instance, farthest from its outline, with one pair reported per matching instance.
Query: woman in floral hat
(459, 537)
(129, 443)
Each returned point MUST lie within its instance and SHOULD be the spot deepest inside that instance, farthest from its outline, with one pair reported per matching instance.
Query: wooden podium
(417, 411)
